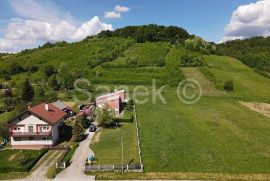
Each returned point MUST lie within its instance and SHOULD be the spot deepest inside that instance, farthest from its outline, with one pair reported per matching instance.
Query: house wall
(30, 120)
(37, 142)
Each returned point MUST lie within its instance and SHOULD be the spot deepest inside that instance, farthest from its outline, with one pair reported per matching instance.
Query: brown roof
(53, 115)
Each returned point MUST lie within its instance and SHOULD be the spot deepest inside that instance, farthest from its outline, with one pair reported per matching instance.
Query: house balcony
(32, 134)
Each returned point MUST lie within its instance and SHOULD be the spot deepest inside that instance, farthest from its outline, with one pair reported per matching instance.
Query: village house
(113, 100)
(37, 127)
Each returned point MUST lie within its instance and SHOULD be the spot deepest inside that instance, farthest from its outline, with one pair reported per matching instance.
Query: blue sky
(210, 19)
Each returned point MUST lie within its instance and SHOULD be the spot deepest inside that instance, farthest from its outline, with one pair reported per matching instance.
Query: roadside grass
(19, 160)
(107, 147)
(214, 135)
(13, 175)
(179, 176)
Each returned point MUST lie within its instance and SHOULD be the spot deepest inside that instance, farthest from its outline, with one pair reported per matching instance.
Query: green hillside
(255, 52)
(216, 134)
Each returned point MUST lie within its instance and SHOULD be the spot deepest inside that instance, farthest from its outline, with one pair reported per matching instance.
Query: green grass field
(216, 134)
(18, 160)
(213, 135)
(107, 146)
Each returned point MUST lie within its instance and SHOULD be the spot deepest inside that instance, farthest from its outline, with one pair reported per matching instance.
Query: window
(16, 128)
(45, 128)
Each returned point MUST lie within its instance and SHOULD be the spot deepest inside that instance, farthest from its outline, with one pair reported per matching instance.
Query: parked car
(92, 128)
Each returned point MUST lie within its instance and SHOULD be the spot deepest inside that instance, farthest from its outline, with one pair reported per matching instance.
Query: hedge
(127, 118)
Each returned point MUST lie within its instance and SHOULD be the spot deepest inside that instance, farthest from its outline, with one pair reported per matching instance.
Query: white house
(36, 128)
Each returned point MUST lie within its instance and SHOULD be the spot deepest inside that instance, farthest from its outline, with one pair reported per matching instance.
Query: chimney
(46, 107)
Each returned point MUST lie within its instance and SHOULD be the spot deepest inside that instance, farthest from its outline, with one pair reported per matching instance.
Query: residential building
(113, 100)
(37, 127)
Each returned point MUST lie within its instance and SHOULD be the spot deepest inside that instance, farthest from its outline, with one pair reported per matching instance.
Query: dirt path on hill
(208, 88)
(39, 173)
(262, 108)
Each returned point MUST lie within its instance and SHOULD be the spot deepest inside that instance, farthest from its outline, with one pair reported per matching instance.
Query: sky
(29, 23)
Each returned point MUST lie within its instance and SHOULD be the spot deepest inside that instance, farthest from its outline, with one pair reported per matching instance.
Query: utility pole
(122, 157)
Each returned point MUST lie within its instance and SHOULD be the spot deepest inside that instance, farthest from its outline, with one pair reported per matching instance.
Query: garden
(19, 160)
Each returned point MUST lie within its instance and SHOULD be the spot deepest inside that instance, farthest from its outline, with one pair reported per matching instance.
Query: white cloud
(112, 15)
(228, 38)
(91, 27)
(121, 9)
(249, 20)
(23, 33)
(116, 13)
(38, 10)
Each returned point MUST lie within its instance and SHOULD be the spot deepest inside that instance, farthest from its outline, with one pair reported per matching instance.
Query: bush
(127, 118)
(228, 85)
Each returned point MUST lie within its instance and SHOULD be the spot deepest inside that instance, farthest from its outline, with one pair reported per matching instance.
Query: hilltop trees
(198, 44)
(254, 52)
(151, 32)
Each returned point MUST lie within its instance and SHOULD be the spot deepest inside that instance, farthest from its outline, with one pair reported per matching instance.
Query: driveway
(75, 171)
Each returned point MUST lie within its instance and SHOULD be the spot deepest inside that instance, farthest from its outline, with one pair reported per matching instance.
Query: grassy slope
(216, 134)
(248, 84)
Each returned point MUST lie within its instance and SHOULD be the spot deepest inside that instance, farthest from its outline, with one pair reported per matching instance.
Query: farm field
(107, 146)
(213, 135)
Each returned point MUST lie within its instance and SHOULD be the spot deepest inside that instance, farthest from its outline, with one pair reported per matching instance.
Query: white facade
(30, 130)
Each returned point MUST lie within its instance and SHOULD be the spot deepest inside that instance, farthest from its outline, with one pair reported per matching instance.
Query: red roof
(53, 115)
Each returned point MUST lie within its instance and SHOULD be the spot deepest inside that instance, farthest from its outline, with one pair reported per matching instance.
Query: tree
(51, 96)
(84, 121)
(104, 116)
(49, 70)
(28, 93)
(53, 83)
(4, 130)
(129, 106)
(77, 130)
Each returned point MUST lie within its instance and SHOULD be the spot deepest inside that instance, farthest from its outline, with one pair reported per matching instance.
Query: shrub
(228, 85)
(127, 118)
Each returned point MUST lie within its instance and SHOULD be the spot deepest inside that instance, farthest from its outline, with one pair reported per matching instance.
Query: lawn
(19, 160)
(107, 146)
(215, 135)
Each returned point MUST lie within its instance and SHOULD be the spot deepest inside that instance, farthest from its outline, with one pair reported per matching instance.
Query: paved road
(75, 171)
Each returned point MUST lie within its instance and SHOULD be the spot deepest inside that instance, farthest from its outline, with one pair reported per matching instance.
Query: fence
(138, 136)
(115, 168)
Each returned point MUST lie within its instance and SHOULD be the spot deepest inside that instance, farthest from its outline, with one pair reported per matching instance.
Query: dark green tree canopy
(28, 93)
